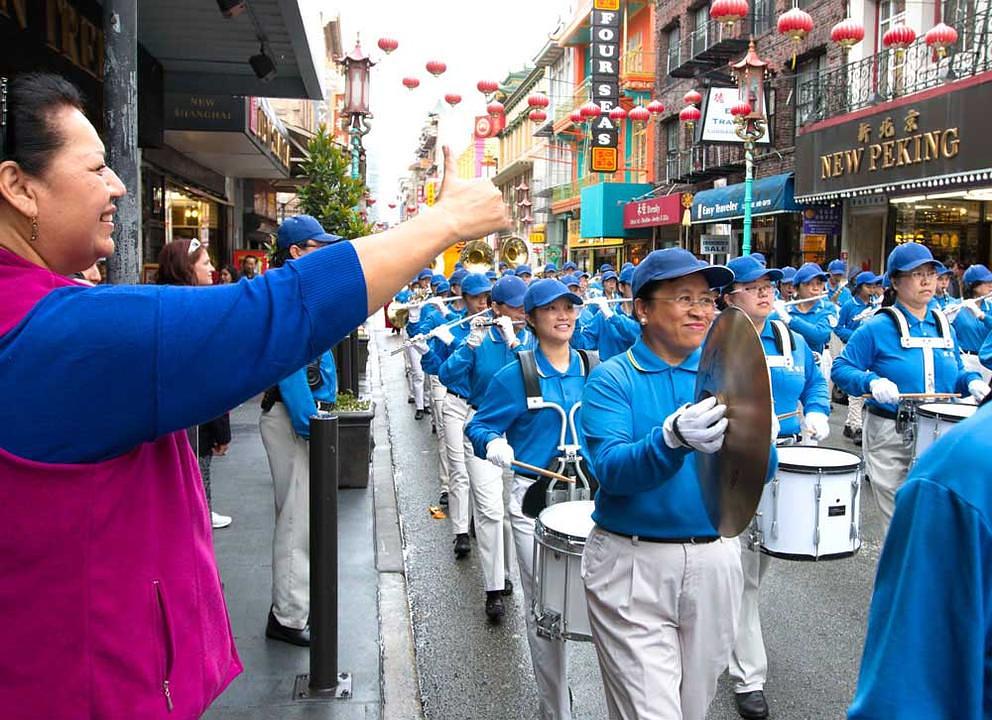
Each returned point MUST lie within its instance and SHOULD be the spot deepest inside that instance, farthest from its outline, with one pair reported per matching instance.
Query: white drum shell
(935, 419)
(560, 534)
(811, 510)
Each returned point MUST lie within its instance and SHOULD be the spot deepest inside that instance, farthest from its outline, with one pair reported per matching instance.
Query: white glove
(604, 307)
(884, 391)
(477, 335)
(782, 311)
(421, 346)
(499, 452)
(979, 389)
(415, 313)
(443, 334)
(701, 426)
(505, 325)
(776, 426)
(439, 304)
(817, 426)
(973, 307)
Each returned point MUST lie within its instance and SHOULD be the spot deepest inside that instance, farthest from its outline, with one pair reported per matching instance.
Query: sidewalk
(375, 639)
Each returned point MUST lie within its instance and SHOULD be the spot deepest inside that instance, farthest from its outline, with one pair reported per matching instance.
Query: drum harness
(785, 345)
(569, 461)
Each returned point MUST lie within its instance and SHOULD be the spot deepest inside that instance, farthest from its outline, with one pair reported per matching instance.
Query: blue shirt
(985, 352)
(533, 434)
(944, 300)
(843, 297)
(475, 368)
(970, 330)
(802, 384)
(434, 358)
(874, 351)
(300, 400)
(608, 336)
(926, 653)
(846, 322)
(816, 325)
(165, 358)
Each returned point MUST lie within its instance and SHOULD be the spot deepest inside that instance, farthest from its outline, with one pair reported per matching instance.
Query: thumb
(450, 170)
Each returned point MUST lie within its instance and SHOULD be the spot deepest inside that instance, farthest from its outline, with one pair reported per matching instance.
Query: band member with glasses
(814, 320)
(907, 348)
(663, 588)
(973, 322)
(797, 384)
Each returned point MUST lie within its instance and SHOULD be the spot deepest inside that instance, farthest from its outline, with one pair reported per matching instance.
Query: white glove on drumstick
(978, 389)
(817, 426)
(884, 391)
(701, 426)
(499, 452)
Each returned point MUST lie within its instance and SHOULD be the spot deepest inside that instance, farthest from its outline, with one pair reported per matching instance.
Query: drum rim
(856, 462)
(923, 411)
(559, 541)
(811, 558)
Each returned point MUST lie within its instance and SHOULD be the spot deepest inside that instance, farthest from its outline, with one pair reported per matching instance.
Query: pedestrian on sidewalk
(115, 585)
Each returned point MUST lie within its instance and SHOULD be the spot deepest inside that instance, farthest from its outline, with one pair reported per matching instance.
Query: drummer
(877, 361)
(866, 295)
(974, 321)
(663, 588)
(815, 319)
(533, 436)
(797, 384)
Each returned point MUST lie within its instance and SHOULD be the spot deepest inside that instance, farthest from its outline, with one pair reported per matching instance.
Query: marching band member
(550, 270)
(412, 329)
(908, 348)
(663, 588)
(814, 320)
(836, 288)
(533, 437)
(926, 650)
(524, 272)
(476, 294)
(611, 330)
(786, 287)
(569, 267)
(942, 296)
(796, 382)
(867, 290)
(470, 368)
(973, 327)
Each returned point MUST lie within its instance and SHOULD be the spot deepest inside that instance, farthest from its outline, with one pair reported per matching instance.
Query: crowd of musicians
(502, 359)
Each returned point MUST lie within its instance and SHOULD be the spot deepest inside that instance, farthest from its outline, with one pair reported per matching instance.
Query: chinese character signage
(665, 210)
(717, 124)
(822, 220)
(604, 88)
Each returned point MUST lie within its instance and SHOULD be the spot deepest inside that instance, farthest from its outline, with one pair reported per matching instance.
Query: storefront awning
(602, 208)
(769, 196)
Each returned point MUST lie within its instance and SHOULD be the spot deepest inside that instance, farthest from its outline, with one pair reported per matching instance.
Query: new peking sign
(604, 53)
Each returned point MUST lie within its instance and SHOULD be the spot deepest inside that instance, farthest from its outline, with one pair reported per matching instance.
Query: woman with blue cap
(663, 588)
(786, 287)
(471, 367)
(814, 319)
(943, 295)
(974, 320)
(611, 330)
(836, 287)
(797, 385)
(504, 430)
(523, 272)
(906, 348)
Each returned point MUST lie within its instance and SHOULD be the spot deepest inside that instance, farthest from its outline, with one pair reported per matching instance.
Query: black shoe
(494, 605)
(856, 438)
(419, 415)
(471, 526)
(507, 588)
(443, 500)
(848, 432)
(752, 705)
(290, 635)
(433, 429)
(409, 401)
(462, 545)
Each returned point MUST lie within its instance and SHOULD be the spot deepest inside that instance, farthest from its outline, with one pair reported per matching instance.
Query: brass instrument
(477, 256)
(399, 313)
(513, 251)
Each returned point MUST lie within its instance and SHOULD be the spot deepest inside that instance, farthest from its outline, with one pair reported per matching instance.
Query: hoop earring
(34, 229)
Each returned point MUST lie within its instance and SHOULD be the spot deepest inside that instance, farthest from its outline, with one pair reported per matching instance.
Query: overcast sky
(476, 39)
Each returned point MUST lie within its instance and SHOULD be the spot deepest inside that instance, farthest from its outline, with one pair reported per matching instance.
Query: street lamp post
(357, 67)
(749, 119)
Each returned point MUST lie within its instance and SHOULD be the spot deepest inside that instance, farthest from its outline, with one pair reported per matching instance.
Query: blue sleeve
(850, 370)
(844, 329)
(626, 327)
(165, 358)
(815, 395)
(298, 399)
(329, 372)
(624, 466)
(434, 358)
(586, 337)
(985, 353)
(815, 333)
(502, 404)
(925, 649)
(459, 364)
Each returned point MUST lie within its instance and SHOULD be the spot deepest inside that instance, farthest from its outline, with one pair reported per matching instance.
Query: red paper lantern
(655, 107)
(538, 100)
(899, 38)
(370, 201)
(940, 37)
(690, 115)
(452, 99)
(618, 114)
(576, 117)
(847, 33)
(538, 116)
(387, 45)
(436, 67)
(740, 109)
(392, 206)
(590, 110)
(795, 23)
(410, 82)
(639, 114)
(692, 98)
(728, 11)
(487, 86)
(495, 108)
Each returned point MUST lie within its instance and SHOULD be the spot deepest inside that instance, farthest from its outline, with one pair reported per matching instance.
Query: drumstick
(542, 471)
(921, 396)
(794, 413)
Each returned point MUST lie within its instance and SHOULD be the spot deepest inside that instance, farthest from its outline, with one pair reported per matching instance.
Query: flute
(790, 303)
(434, 332)
(401, 306)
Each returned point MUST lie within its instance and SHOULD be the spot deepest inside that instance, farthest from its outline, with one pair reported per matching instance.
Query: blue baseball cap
(909, 256)
(437, 278)
(626, 265)
(507, 272)
(425, 273)
(760, 257)
(976, 274)
(570, 280)
(510, 290)
(546, 291)
(604, 267)
(627, 274)
(476, 284)
(302, 228)
(491, 274)
(886, 282)
(866, 278)
(457, 276)
(749, 268)
(672, 263)
(609, 275)
(550, 267)
(459, 266)
(569, 266)
(442, 287)
(809, 271)
(523, 270)
(788, 274)
(583, 274)
(502, 265)
(946, 271)
(837, 267)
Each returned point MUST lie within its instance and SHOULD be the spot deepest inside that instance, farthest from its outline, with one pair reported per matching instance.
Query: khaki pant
(415, 378)
(887, 460)
(437, 394)
(486, 490)
(748, 661)
(663, 619)
(289, 462)
(455, 414)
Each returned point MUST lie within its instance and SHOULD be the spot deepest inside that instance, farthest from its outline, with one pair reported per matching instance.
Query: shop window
(810, 94)
(189, 216)
(672, 169)
(674, 47)
(764, 14)
(700, 33)
(639, 152)
(950, 228)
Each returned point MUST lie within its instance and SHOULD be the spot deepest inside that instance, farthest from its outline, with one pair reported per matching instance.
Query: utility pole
(120, 101)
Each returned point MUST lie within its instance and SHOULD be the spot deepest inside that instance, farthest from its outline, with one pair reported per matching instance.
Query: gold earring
(34, 229)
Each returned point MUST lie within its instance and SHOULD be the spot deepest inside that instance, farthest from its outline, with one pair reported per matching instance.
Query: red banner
(665, 210)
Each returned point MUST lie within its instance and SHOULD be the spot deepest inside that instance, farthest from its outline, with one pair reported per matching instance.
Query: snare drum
(934, 420)
(811, 510)
(560, 534)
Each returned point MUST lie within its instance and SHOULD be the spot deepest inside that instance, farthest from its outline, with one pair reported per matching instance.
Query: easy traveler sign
(769, 196)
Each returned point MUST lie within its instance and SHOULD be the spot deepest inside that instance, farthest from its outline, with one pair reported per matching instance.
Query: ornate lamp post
(356, 101)
(749, 118)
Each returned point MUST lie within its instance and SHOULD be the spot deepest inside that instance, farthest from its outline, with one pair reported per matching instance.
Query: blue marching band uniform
(648, 501)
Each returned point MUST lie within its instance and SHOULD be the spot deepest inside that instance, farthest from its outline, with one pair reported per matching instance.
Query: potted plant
(355, 441)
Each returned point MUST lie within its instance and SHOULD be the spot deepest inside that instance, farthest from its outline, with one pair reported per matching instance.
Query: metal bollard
(347, 375)
(324, 681)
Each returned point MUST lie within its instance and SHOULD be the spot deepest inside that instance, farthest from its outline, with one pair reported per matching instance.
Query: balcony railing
(713, 43)
(702, 162)
(637, 65)
(566, 103)
(570, 190)
(885, 75)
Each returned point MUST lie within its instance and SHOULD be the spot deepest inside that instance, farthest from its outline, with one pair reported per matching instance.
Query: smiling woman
(122, 574)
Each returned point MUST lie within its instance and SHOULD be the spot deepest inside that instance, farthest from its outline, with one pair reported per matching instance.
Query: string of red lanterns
(728, 12)
(387, 45)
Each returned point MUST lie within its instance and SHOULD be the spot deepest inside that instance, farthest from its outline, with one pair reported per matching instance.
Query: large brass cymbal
(733, 368)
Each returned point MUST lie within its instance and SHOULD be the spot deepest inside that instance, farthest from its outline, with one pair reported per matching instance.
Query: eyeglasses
(922, 274)
(194, 245)
(757, 290)
(686, 302)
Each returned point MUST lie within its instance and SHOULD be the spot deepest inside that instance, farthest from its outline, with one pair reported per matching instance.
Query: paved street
(814, 613)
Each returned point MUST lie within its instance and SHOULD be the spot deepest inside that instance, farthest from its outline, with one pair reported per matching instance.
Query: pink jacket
(110, 599)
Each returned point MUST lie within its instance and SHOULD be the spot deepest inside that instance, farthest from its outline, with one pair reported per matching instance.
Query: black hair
(232, 271)
(32, 134)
